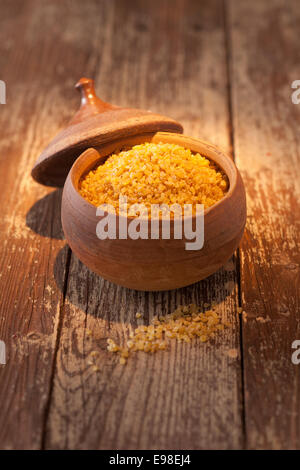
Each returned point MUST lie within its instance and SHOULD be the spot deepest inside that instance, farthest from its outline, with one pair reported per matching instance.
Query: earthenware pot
(98, 130)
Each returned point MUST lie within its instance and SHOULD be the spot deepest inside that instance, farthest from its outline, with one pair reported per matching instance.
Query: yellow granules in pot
(155, 174)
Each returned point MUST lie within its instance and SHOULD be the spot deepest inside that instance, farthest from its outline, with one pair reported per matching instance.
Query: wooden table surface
(224, 70)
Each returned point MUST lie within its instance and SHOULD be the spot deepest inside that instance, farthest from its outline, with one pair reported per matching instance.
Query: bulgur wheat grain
(155, 174)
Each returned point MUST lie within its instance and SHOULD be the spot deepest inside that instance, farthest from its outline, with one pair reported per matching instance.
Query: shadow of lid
(44, 216)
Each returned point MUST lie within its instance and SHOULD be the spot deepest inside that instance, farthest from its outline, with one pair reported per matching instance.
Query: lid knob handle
(90, 103)
(87, 90)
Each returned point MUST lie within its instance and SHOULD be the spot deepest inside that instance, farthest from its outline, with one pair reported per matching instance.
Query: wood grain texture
(264, 63)
(190, 397)
(29, 242)
(30, 233)
(174, 60)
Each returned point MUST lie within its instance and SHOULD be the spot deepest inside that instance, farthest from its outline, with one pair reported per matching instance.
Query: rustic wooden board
(173, 59)
(30, 229)
(264, 62)
(29, 301)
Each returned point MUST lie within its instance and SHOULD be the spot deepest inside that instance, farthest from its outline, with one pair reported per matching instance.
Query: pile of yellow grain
(155, 174)
(184, 324)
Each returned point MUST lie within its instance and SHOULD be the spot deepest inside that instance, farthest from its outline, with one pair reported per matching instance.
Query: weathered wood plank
(40, 71)
(169, 56)
(264, 63)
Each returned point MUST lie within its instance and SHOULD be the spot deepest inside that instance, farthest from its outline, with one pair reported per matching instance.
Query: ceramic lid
(94, 124)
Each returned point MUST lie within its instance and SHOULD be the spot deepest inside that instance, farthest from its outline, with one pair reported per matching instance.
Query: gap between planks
(228, 48)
